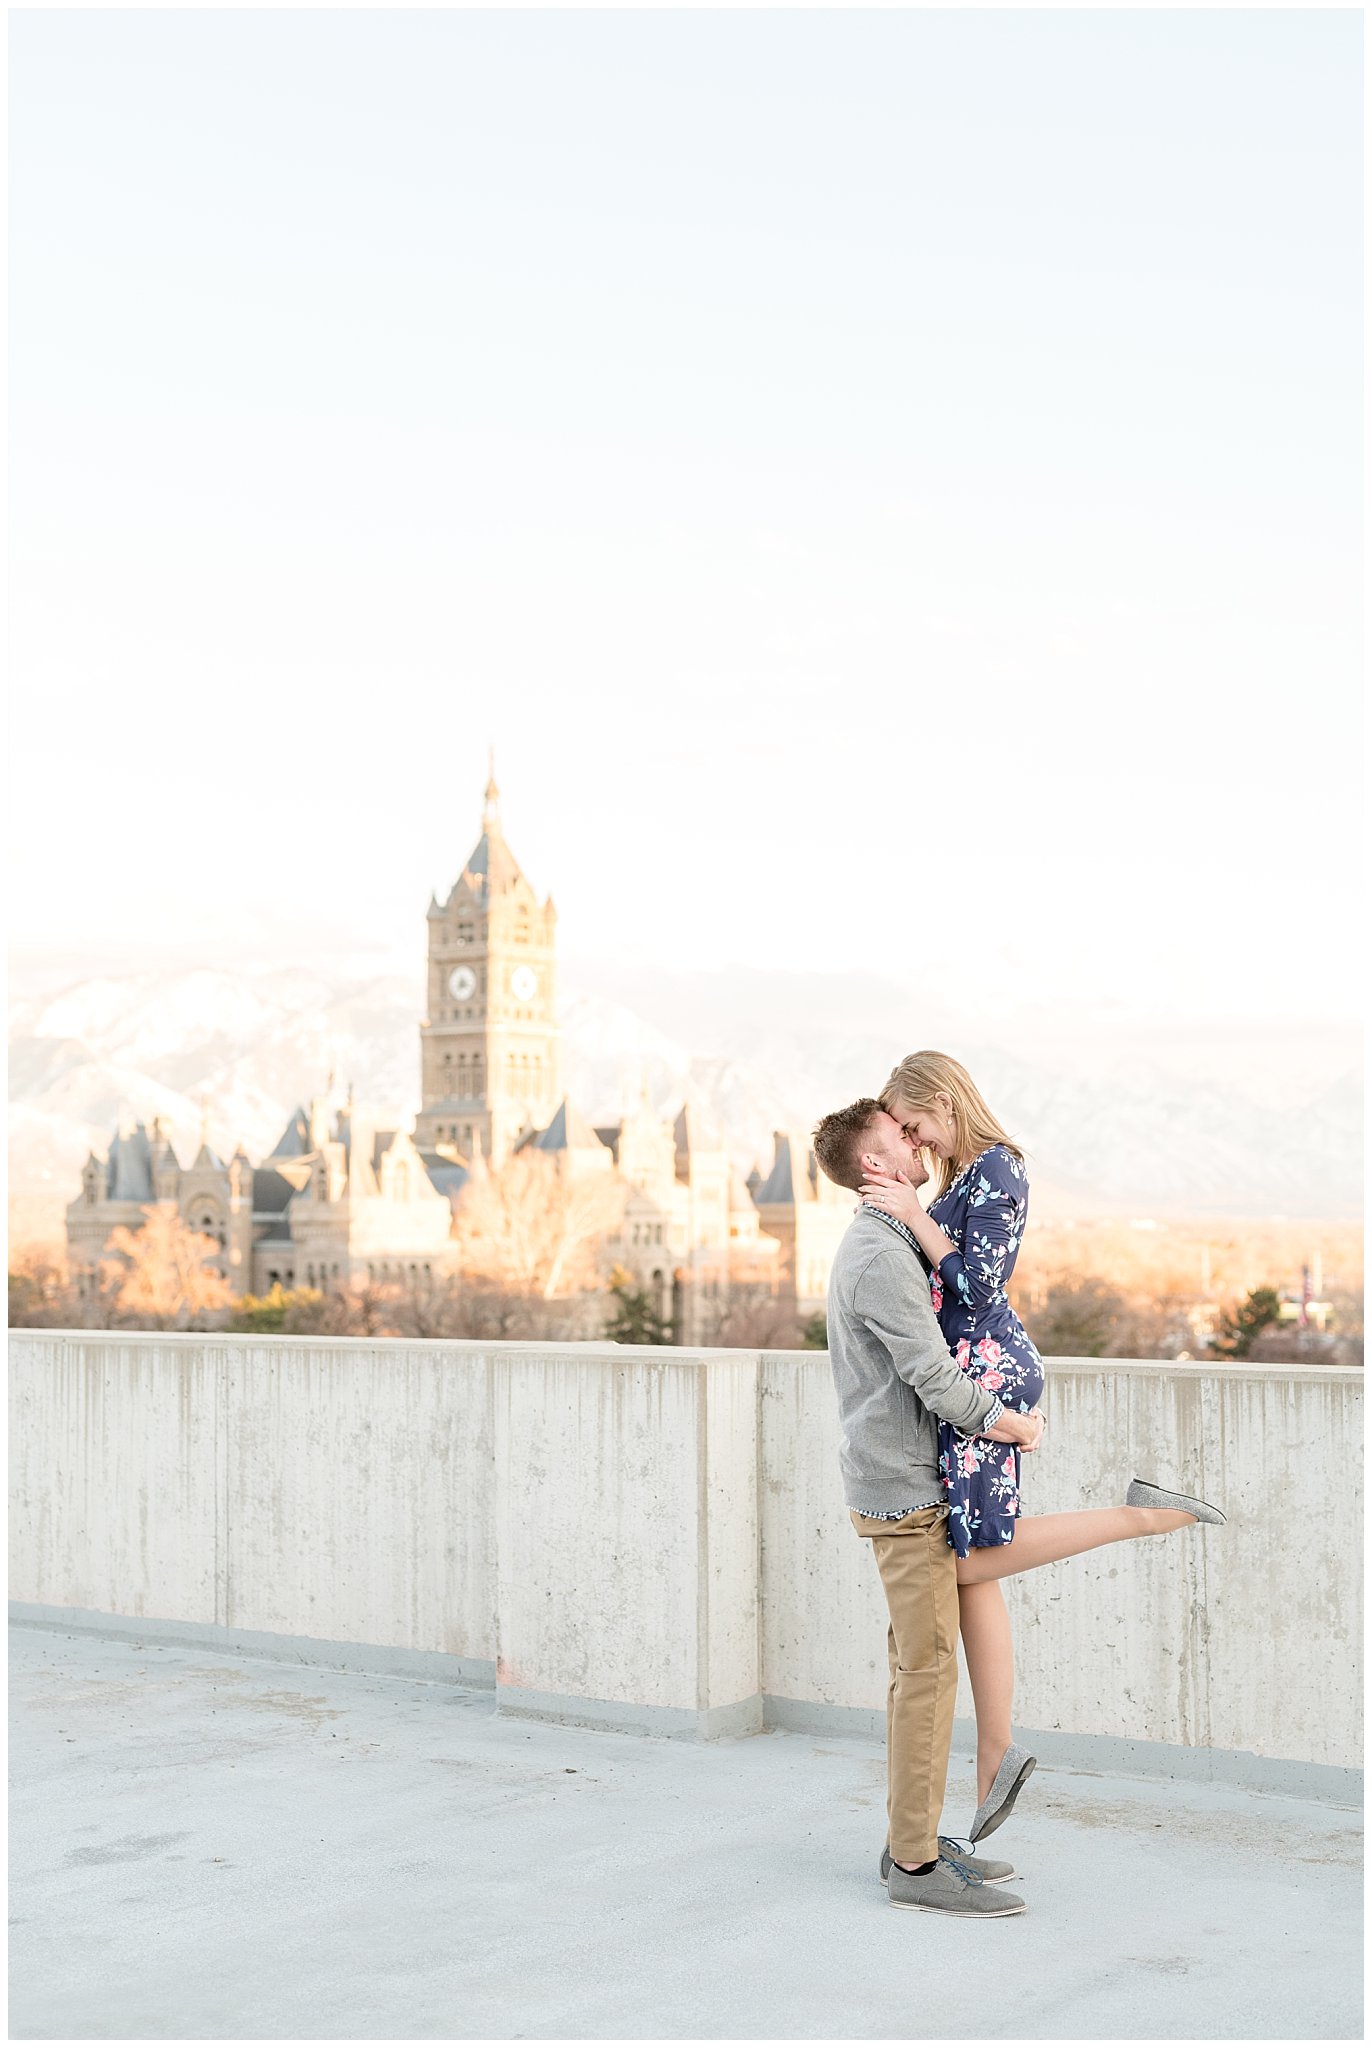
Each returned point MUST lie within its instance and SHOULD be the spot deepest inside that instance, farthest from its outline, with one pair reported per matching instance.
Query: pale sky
(887, 483)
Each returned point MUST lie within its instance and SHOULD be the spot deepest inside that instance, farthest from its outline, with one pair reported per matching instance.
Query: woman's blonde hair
(920, 1077)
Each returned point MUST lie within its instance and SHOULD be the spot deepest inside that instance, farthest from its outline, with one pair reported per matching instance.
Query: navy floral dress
(984, 1212)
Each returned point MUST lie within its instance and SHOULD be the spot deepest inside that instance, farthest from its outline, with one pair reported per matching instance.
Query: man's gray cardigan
(893, 1372)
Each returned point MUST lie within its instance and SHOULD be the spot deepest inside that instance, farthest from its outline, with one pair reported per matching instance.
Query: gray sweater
(894, 1374)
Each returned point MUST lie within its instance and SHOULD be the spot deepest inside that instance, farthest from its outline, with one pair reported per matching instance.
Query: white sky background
(887, 483)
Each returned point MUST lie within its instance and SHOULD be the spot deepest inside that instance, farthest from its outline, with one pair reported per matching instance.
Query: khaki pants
(919, 1576)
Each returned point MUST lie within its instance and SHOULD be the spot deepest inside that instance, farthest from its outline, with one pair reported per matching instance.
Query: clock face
(524, 984)
(461, 983)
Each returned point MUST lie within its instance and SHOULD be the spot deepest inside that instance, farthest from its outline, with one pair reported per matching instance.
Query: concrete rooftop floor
(211, 1847)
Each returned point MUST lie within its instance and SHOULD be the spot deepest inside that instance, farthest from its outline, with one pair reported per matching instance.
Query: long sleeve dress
(984, 1211)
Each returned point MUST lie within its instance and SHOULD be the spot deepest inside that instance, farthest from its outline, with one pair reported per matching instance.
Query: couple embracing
(938, 1390)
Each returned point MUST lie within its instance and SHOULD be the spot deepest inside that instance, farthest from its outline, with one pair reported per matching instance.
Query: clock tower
(489, 1050)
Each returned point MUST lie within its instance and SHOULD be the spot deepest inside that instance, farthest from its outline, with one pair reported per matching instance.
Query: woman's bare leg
(1043, 1539)
(989, 1648)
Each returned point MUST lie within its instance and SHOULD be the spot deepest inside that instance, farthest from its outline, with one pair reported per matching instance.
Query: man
(896, 1379)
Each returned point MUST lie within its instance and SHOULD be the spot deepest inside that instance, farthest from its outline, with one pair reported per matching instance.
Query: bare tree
(750, 1319)
(1286, 1343)
(1159, 1328)
(483, 1310)
(364, 1309)
(533, 1228)
(161, 1273)
(41, 1294)
(432, 1310)
(1077, 1318)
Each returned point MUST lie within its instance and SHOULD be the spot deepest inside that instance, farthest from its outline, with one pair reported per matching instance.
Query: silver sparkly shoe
(1143, 1494)
(1015, 1766)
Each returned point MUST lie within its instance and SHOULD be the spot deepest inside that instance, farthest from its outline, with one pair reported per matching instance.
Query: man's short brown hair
(838, 1140)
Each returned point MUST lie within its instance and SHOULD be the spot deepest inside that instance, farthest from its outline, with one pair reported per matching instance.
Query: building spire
(490, 815)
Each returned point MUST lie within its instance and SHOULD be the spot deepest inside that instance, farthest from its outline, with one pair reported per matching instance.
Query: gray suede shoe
(984, 1867)
(1143, 1494)
(1006, 1786)
(950, 1888)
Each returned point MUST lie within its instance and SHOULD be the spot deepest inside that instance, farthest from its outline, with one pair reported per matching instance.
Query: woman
(971, 1233)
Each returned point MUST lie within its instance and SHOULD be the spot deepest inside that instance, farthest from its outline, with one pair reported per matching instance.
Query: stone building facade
(337, 1201)
(340, 1200)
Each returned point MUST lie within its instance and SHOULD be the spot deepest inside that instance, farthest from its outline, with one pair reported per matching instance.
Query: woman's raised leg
(1044, 1539)
(989, 1648)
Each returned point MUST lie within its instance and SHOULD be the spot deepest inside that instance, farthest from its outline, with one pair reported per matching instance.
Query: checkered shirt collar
(894, 1222)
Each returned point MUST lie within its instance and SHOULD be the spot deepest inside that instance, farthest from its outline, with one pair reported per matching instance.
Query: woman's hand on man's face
(892, 1192)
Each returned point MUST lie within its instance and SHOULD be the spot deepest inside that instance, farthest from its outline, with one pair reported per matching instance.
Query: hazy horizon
(1121, 1115)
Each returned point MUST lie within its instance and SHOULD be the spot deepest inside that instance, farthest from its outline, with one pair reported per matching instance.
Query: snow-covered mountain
(1121, 1114)
(246, 1047)
(1118, 1118)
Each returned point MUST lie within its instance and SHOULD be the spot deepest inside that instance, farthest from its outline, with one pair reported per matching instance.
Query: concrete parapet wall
(1243, 1639)
(657, 1539)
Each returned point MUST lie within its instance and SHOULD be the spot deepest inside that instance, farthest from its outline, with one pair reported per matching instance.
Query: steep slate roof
(491, 860)
(295, 1139)
(130, 1167)
(790, 1178)
(491, 868)
(270, 1193)
(207, 1157)
(696, 1131)
(490, 865)
(568, 1132)
(446, 1175)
